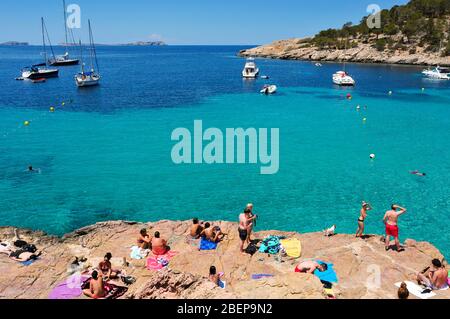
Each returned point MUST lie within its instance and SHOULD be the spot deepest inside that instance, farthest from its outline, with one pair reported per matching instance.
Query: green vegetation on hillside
(422, 23)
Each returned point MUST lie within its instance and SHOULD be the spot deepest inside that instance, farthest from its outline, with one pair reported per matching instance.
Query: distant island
(13, 43)
(416, 33)
(138, 43)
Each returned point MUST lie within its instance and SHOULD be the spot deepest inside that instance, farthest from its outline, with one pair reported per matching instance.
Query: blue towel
(329, 275)
(28, 262)
(205, 244)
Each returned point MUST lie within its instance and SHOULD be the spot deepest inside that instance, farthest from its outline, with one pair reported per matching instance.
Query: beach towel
(292, 247)
(328, 275)
(28, 262)
(69, 288)
(416, 290)
(112, 291)
(205, 244)
(260, 276)
(138, 252)
(159, 261)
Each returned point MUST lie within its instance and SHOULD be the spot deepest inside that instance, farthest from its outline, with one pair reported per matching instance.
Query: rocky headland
(356, 261)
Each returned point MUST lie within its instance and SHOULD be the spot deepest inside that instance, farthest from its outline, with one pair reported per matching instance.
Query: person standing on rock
(253, 217)
(245, 225)
(362, 217)
(391, 221)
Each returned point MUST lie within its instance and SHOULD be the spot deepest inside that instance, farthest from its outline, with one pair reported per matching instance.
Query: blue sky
(183, 21)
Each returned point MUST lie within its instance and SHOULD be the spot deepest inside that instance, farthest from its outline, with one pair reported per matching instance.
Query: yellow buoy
(63, 103)
(26, 123)
(52, 109)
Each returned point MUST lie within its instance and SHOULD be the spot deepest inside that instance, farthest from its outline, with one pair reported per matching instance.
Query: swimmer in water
(418, 173)
(33, 170)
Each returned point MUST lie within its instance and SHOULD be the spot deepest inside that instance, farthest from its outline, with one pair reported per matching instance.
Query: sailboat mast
(65, 24)
(81, 58)
(91, 39)
(43, 40)
(90, 44)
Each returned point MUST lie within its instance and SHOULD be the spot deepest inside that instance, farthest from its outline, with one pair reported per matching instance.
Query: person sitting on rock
(403, 292)
(309, 266)
(196, 228)
(106, 267)
(434, 277)
(159, 245)
(144, 239)
(213, 234)
(214, 276)
(96, 288)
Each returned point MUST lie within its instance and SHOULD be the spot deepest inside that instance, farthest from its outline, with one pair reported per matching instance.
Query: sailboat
(92, 77)
(39, 71)
(342, 78)
(61, 60)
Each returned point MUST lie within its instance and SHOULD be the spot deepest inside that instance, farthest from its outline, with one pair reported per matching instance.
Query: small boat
(343, 79)
(266, 77)
(63, 60)
(38, 80)
(269, 89)
(437, 73)
(92, 77)
(250, 70)
(40, 70)
(318, 64)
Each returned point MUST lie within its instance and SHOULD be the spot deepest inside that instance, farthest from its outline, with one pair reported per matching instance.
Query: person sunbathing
(96, 288)
(23, 255)
(434, 277)
(213, 234)
(196, 228)
(5, 248)
(309, 266)
(144, 239)
(159, 245)
(106, 268)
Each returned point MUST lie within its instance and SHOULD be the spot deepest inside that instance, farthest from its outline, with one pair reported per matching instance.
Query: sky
(185, 22)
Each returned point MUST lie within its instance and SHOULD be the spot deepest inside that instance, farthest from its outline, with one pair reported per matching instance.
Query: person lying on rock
(309, 266)
(213, 234)
(106, 268)
(144, 239)
(96, 287)
(434, 277)
(22, 255)
(159, 245)
(196, 228)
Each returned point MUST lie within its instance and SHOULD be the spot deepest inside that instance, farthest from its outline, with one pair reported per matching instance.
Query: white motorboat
(437, 73)
(250, 71)
(343, 79)
(318, 64)
(92, 77)
(269, 89)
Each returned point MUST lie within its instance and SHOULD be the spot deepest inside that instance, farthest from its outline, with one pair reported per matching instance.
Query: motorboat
(438, 72)
(269, 89)
(343, 79)
(250, 70)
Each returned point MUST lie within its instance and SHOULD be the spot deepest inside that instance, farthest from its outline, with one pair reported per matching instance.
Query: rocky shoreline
(356, 261)
(296, 49)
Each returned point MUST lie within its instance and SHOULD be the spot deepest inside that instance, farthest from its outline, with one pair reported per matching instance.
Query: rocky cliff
(358, 263)
(296, 49)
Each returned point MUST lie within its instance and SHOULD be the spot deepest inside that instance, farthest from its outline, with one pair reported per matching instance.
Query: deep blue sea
(106, 153)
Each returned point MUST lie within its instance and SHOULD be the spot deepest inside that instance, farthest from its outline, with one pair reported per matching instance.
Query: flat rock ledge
(364, 269)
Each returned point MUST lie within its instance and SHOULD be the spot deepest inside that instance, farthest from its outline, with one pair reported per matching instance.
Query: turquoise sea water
(110, 160)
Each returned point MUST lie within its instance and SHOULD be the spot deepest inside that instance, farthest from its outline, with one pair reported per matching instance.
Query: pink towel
(153, 264)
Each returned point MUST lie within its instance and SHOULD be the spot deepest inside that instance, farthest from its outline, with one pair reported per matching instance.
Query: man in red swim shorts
(391, 220)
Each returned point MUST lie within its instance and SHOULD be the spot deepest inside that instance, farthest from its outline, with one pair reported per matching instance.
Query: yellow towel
(292, 246)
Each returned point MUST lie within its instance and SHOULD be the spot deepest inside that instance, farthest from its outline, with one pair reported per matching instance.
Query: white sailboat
(40, 71)
(62, 60)
(91, 77)
(250, 70)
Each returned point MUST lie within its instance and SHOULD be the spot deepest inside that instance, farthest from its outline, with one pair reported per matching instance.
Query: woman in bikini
(362, 217)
